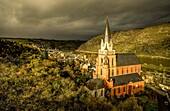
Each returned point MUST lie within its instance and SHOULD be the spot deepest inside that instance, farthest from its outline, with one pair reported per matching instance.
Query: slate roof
(125, 59)
(94, 84)
(125, 79)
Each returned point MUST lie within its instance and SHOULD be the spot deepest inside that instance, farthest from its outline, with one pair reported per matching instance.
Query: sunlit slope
(153, 40)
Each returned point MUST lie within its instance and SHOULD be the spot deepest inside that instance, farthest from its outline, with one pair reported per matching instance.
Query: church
(118, 72)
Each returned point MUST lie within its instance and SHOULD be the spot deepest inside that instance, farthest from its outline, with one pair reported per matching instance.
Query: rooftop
(125, 79)
(94, 84)
(125, 59)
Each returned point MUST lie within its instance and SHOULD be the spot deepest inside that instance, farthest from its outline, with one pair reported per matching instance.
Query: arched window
(127, 70)
(112, 72)
(95, 94)
(114, 91)
(123, 88)
(102, 92)
(101, 60)
(112, 61)
(119, 90)
(131, 69)
(106, 60)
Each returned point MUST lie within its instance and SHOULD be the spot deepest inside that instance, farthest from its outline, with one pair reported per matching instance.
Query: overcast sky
(77, 19)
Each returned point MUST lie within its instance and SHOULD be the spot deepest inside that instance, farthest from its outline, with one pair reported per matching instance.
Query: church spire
(107, 34)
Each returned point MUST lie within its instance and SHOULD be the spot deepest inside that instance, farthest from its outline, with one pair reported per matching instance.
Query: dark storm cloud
(77, 19)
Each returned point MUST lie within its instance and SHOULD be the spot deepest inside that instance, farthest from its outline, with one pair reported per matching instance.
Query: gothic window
(112, 61)
(114, 91)
(135, 69)
(119, 90)
(123, 88)
(101, 60)
(131, 69)
(106, 60)
(101, 92)
(127, 70)
(95, 94)
(112, 72)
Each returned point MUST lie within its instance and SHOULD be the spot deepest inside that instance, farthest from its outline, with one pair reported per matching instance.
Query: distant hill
(153, 40)
(64, 45)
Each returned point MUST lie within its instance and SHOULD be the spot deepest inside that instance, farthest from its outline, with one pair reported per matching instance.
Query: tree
(44, 54)
(129, 105)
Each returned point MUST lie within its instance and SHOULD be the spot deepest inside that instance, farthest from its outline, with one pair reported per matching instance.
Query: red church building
(119, 72)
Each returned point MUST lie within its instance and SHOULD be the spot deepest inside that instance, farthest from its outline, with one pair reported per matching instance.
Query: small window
(122, 71)
(117, 71)
(127, 70)
(101, 72)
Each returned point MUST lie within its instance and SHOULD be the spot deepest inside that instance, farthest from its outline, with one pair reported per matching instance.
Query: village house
(96, 86)
(119, 72)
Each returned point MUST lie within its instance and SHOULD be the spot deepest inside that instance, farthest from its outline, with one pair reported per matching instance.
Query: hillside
(15, 53)
(64, 45)
(153, 40)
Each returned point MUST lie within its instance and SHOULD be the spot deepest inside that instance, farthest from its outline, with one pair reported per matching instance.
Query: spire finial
(107, 18)
(107, 34)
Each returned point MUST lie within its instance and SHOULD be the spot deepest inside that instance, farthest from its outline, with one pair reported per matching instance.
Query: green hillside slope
(154, 40)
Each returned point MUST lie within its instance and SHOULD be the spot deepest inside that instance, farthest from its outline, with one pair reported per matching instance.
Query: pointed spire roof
(107, 30)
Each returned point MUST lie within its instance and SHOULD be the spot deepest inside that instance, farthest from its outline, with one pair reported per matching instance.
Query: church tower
(106, 60)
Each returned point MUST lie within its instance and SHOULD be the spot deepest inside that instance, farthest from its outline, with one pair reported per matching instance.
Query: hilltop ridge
(152, 40)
